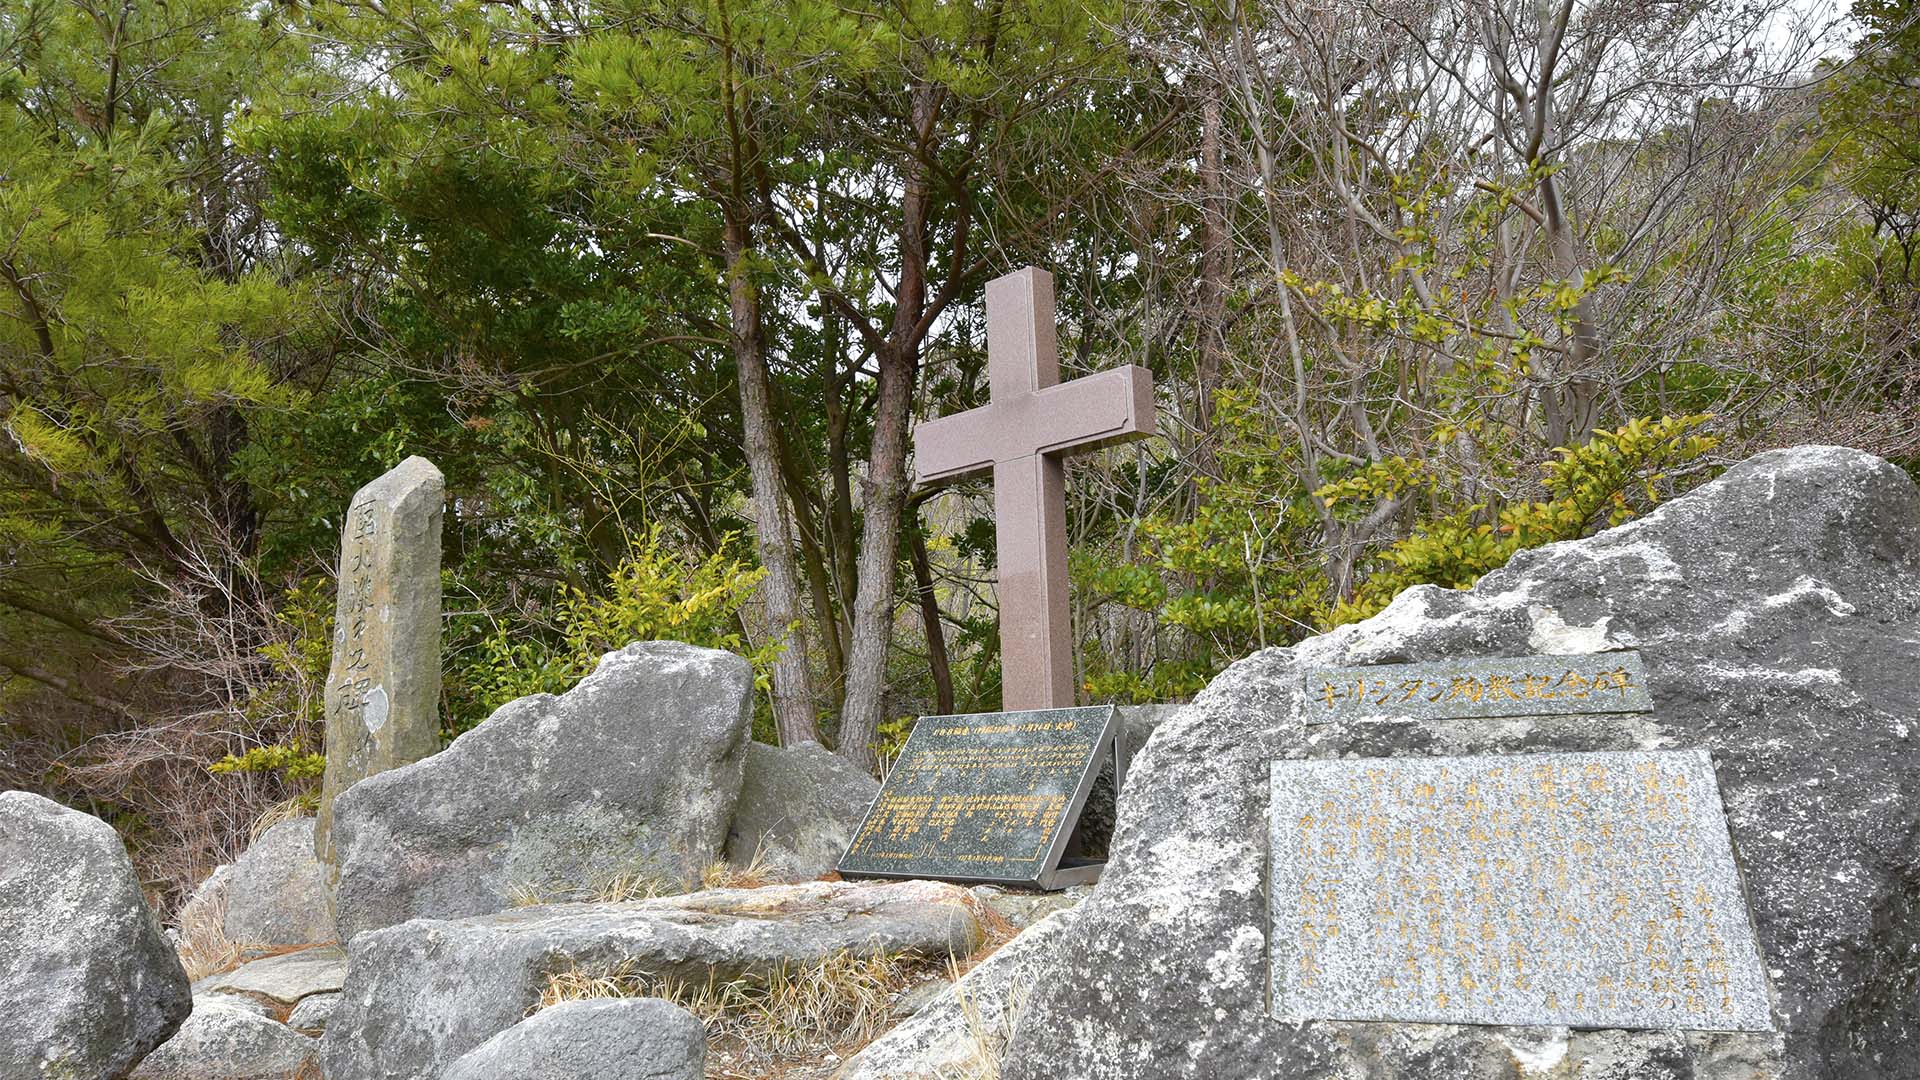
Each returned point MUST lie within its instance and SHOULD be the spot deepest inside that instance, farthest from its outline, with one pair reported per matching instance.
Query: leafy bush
(654, 593)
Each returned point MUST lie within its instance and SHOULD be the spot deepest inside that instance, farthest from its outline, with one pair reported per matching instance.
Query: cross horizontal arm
(1098, 410)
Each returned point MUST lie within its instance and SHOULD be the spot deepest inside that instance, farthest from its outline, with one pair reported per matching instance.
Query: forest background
(661, 285)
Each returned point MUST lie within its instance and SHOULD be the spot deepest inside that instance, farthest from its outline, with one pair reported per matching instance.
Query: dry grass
(988, 1037)
(300, 806)
(796, 1013)
(204, 946)
(756, 874)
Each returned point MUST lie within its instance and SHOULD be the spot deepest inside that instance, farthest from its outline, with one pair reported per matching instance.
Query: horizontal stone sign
(987, 797)
(1578, 889)
(1506, 686)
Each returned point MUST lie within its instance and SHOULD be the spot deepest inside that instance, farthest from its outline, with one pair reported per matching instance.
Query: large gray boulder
(799, 807)
(229, 1042)
(88, 985)
(277, 892)
(964, 1031)
(632, 772)
(1778, 613)
(608, 1039)
(421, 994)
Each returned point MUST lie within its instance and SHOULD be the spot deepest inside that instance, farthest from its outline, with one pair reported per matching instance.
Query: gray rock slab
(1589, 890)
(1777, 613)
(383, 687)
(611, 1039)
(1547, 685)
(286, 978)
(421, 994)
(313, 1013)
(798, 808)
(277, 892)
(88, 984)
(229, 1044)
(242, 1002)
(964, 1030)
(633, 772)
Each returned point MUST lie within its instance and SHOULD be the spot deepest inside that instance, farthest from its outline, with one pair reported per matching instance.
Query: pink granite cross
(1031, 420)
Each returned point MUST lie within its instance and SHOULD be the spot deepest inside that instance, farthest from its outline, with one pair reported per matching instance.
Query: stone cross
(1032, 419)
(383, 689)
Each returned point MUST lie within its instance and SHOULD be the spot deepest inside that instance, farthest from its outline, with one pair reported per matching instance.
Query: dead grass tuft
(757, 874)
(204, 947)
(797, 1012)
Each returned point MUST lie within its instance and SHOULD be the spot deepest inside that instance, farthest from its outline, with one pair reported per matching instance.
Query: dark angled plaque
(1612, 682)
(990, 797)
(1587, 890)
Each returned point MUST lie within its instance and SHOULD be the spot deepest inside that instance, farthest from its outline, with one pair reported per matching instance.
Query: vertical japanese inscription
(383, 687)
(1588, 890)
(981, 797)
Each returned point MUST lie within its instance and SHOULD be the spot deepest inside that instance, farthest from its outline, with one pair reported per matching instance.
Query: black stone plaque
(989, 797)
(1589, 683)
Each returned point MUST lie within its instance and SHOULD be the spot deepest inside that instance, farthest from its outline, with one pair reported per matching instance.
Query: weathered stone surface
(286, 978)
(88, 985)
(383, 688)
(798, 808)
(277, 894)
(313, 1013)
(1579, 890)
(613, 1039)
(632, 772)
(1024, 907)
(984, 796)
(967, 1026)
(225, 1042)
(1778, 614)
(421, 994)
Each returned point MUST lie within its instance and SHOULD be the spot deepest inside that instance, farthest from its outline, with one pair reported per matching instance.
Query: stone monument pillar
(383, 689)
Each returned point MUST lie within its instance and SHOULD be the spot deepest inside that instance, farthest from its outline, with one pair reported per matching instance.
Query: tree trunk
(886, 486)
(792, 678)
(930, 619)
(1216, 267)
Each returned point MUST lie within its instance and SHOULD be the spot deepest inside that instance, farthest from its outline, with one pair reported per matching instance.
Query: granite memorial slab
(988, 797)
(1591, 890)
(1614, 682)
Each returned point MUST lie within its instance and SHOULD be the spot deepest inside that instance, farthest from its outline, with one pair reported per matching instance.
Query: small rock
(88, 985)
(610, 1039)
(918, 996)
(277, 894)
(226, 1043)
(1024, 908)
(964, 1029)
(633, 771)
(254, 1005)
(799, 807)
(287, 978)
(313, 1013)
(421, 994)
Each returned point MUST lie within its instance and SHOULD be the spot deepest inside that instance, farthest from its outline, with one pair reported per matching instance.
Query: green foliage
(654, 593)
(290, 762)
(1613, 477)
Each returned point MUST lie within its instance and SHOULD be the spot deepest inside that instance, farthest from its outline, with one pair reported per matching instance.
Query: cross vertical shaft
(1030, 421)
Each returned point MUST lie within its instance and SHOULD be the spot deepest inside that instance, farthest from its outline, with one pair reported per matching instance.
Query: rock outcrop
(229, 1042)
(1777, 610)
(284, 978)
(611, 1039)
(799, 807)
(277, 892)
(633, 772)
(964, 1030)
(88, 984)
(422, 994)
